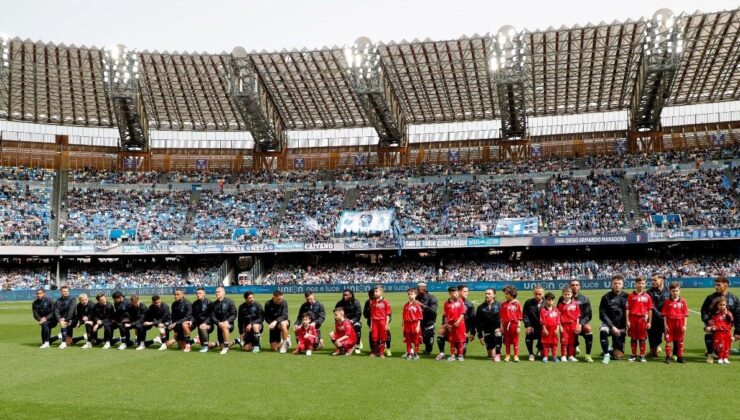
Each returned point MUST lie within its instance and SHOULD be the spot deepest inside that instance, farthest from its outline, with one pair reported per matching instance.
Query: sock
(668, 349)
(633, 344)
(441, 344)
(53, 339)
(499, 343)
(64, 334)
(563, 349)
(604, 340)
(464, 350)
(529, 342)
(388, 340)
(256, 340)
(589, 338)
(381, 347)
(408, 348)
(187, 339)
(708, 343)
(544, 351)
(642, 348)
(679, 348)
(508, 349)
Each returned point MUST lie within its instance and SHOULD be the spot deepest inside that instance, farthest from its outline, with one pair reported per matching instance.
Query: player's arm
(188, 312)
(479, 319)
(650, 313)
(260, 315)
(57, 312)
(544, 326)
(321, 316)
(604, 312)
(587, 313)
(35, 311)
(525, 316)
(232, 313)
(706, 314)
(282, 313)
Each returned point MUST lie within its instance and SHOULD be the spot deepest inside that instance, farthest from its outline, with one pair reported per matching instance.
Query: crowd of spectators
(25, 278)
(102, 176)
(117, 275)
(21, 173)
(25, 213)
(217, 215)
(154, 215)
(702, 198)
(472, 270)
(312, 214)
(418, 207)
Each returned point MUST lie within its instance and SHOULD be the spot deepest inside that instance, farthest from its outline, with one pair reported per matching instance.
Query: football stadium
(517, 222)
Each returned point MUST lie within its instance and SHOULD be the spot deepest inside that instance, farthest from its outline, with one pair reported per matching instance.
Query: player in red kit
(344, 336)
(306, 335)
(550, 322)
(675, 313)
(639, 316)
(454, 311)
(511, 316)
(720, 326)
(412, 316)
(570, 314)
(380, 317)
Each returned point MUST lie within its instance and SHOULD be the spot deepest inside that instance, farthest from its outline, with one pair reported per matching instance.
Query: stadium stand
(25, 213)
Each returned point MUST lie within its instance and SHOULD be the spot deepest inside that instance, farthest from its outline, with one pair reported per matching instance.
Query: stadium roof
(570, 70)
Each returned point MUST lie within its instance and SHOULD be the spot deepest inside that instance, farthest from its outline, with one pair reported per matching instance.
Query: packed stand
(217, 215)
(116, 275)
(156, 216)
(199, 177)
(572, 205)
(356, 273)
(702, 198)
(25, 278)
(312, 214)
(102, 176)
(25, 213)
(22, 173)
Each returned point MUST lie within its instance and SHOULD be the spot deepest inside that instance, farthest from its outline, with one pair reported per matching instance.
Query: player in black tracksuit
(429, 306)
(612, 309)
(137, 311)
(182, 321)
(659, 293)
(102, 317)
(223, 315)
(202, 317)
(721, 285)
(64, 313)
(531, 315)
(82, 318)
(121, 317)
(251, 316)
(276, 317)
(317, 312)
(488, 324)
(158, 316)
(43, 313)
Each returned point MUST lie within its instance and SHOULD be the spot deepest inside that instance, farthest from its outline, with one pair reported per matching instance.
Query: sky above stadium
(221, 25)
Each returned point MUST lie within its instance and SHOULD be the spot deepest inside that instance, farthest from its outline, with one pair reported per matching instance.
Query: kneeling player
(549, 328)
(182, 321)
(158, 316)
(344, 336)
(276, 316)
(43, 313)
(412, 316)
(306, 336)
(251, 317)
(223, 315)
(488, 321)
(675, 314)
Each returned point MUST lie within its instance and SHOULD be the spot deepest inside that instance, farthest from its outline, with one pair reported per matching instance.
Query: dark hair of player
(247, 294)
(617, 277)
(99, 295)
(306, 315)
(411, 289)
(200, 288)
(452, 289)
(307, 293)
(65, 287)
(639, 279)
(117, 294)
(462, 286)
(155, 298)
(674, 285)
(717, 301)
(277, 293)
(550, 296)
(509, 290)
(722, 279)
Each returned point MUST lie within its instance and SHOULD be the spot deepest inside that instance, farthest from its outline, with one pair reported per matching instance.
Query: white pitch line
(696, 312)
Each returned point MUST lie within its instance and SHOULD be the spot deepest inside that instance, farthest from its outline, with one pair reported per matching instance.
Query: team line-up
(644, 315)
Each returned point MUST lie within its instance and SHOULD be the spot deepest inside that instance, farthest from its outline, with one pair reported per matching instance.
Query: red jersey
(345, 328)
(639, 304)
(569, 312)
(453, 310)
(302, 332)
(511, 311)
(412, 312)
(675, 309)
(722, 322)
(550, 318)
(379, 310)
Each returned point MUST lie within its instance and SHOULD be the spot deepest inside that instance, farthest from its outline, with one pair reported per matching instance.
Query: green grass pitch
(95, 383)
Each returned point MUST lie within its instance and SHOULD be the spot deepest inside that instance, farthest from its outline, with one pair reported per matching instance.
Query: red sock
(679, 349)
(633, 344)
(668, 349)
(642, 348)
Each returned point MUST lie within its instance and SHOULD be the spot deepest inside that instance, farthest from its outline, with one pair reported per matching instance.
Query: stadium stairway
(284, 205)
(190, 215)
(631, 201)
(164, 178)
(59, 201)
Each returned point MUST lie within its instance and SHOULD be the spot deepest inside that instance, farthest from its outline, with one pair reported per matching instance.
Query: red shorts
(347, 344)
(378, 331)
(511, 332)
(457, 334)
(675, 331)
(410, 327)
(722, 341)
(550, 339)
(638, 327)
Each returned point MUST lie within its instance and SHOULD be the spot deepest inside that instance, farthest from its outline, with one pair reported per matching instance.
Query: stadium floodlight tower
(661, 54)
(378, 100)
(5, 41)
(257, 110)
(506, 66)
(121, 78)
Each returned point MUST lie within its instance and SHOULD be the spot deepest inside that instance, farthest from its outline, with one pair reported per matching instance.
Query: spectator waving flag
(311, 224)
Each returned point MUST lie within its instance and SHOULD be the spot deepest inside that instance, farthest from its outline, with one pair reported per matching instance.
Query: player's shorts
(457, 334)
(549, 339)
(675, 330)
(275, 336)
(638, 327)
(490, 340)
